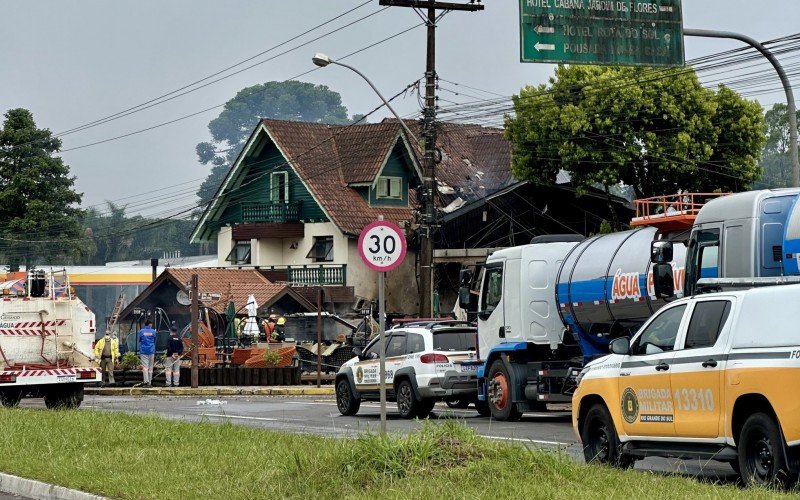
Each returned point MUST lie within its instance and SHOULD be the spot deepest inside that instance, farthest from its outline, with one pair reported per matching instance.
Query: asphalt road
(319, 415)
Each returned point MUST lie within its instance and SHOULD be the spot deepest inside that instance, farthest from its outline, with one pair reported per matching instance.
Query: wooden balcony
(271, 212)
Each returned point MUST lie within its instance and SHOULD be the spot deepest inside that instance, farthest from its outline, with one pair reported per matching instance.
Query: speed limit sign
(382, 245)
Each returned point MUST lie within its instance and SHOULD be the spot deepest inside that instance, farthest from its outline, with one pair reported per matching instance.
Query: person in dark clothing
(172, 363)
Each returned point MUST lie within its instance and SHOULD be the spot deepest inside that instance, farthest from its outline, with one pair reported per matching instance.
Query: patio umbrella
(230, 315)
(251, 326)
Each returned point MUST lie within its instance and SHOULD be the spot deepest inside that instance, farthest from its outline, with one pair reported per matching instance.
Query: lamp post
(428, 183)
(323, 60)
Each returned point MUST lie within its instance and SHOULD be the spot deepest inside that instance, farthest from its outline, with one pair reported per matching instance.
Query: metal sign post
(382, 247)
(629, 32)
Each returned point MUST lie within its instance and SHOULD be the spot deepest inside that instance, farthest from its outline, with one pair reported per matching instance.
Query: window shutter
(396, 185)
(383, 187)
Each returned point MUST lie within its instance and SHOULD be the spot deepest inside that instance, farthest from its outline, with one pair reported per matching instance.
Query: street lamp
(323, 60)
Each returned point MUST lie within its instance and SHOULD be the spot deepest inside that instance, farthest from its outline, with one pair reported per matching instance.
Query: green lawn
(127, 456)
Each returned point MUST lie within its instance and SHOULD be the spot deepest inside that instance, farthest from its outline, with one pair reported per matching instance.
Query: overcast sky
(72, 62)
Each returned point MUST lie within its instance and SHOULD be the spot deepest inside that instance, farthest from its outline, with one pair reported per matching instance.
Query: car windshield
(454, 341)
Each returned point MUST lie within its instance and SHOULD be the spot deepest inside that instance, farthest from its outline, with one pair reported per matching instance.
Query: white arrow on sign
(544, 29)
(544, 46)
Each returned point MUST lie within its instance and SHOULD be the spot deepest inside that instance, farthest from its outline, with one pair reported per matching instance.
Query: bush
(272, 358)
(129, 361)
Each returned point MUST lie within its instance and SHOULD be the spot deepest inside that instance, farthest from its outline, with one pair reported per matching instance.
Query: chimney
(154, 265)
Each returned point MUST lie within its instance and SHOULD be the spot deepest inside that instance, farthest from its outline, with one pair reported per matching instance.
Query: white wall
(224, 245)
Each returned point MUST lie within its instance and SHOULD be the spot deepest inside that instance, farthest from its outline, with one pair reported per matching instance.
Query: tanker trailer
(46, 336)
(545, 309)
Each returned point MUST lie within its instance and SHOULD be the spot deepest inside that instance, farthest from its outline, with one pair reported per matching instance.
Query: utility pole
(195, 313)
(430, 157)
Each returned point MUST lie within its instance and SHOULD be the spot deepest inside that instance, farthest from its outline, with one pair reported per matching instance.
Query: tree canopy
(775, 157)
(115, 236)
(655, 132)
(39, 214)
(289, 100)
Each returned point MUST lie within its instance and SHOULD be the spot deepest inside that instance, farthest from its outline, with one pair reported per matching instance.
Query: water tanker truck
(46, 336)
(547, 308)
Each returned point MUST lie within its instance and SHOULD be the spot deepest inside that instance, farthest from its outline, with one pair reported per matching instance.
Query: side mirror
(661, 252)
(621, 346)
(465, 277)
(358, 352)
(663, 282)
(464, 298)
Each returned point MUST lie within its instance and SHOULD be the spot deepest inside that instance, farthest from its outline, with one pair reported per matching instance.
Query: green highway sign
(630, 32)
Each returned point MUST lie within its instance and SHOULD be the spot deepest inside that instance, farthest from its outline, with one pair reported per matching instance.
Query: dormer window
(390, 188)
(279, 187)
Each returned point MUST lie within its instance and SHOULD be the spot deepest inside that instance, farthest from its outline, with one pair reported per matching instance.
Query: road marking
(241, 417)
(525, 440)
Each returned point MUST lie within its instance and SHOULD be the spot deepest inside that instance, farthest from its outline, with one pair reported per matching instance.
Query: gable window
(240, 253)
(322, 251)
(279, 187)
(390, 187)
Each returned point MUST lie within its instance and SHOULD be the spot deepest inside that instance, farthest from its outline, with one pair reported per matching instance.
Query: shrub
(129, 361)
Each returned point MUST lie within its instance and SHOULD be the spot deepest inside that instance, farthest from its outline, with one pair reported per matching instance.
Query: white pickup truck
(713, 376)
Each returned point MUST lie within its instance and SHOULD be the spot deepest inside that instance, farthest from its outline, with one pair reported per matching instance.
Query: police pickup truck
(713, 376)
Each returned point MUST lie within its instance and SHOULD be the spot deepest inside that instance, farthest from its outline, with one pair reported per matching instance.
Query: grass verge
(128, 456)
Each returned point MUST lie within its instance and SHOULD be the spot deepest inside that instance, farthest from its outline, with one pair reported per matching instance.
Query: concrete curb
(211, 391)
(38, 490)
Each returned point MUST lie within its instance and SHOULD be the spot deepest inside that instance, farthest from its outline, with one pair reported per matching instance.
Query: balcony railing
(312, 274)
(289, 211)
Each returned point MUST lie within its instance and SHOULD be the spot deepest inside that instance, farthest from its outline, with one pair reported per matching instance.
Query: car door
(395, 355)
(644, 382)
(365, 371)
(491, 318)
(697, 368)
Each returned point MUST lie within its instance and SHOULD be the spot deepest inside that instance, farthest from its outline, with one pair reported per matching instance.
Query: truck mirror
(660, 252)
(464, 298)
(465, 277)
(357, 352)
(621, 346)
(663, 282)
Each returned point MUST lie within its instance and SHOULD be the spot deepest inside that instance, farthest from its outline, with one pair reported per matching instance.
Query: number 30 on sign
(382, 245)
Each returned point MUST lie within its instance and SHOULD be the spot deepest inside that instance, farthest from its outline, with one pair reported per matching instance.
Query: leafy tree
(117, 237)
(290, 100)
(37, 199)
(775, 157)
(609, 126)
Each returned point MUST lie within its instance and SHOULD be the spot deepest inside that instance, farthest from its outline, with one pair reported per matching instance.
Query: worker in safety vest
(279, 325)
(107, 351)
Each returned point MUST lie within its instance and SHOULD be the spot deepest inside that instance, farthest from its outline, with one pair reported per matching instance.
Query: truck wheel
(407, 403)
(64, 398)
(11, 397)
(762, 457)
(347, 402)
(499, 394)
(600, 441)
(483, 409)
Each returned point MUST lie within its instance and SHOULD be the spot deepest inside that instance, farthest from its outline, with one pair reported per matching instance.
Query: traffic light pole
(429, 160)
(787, 87)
